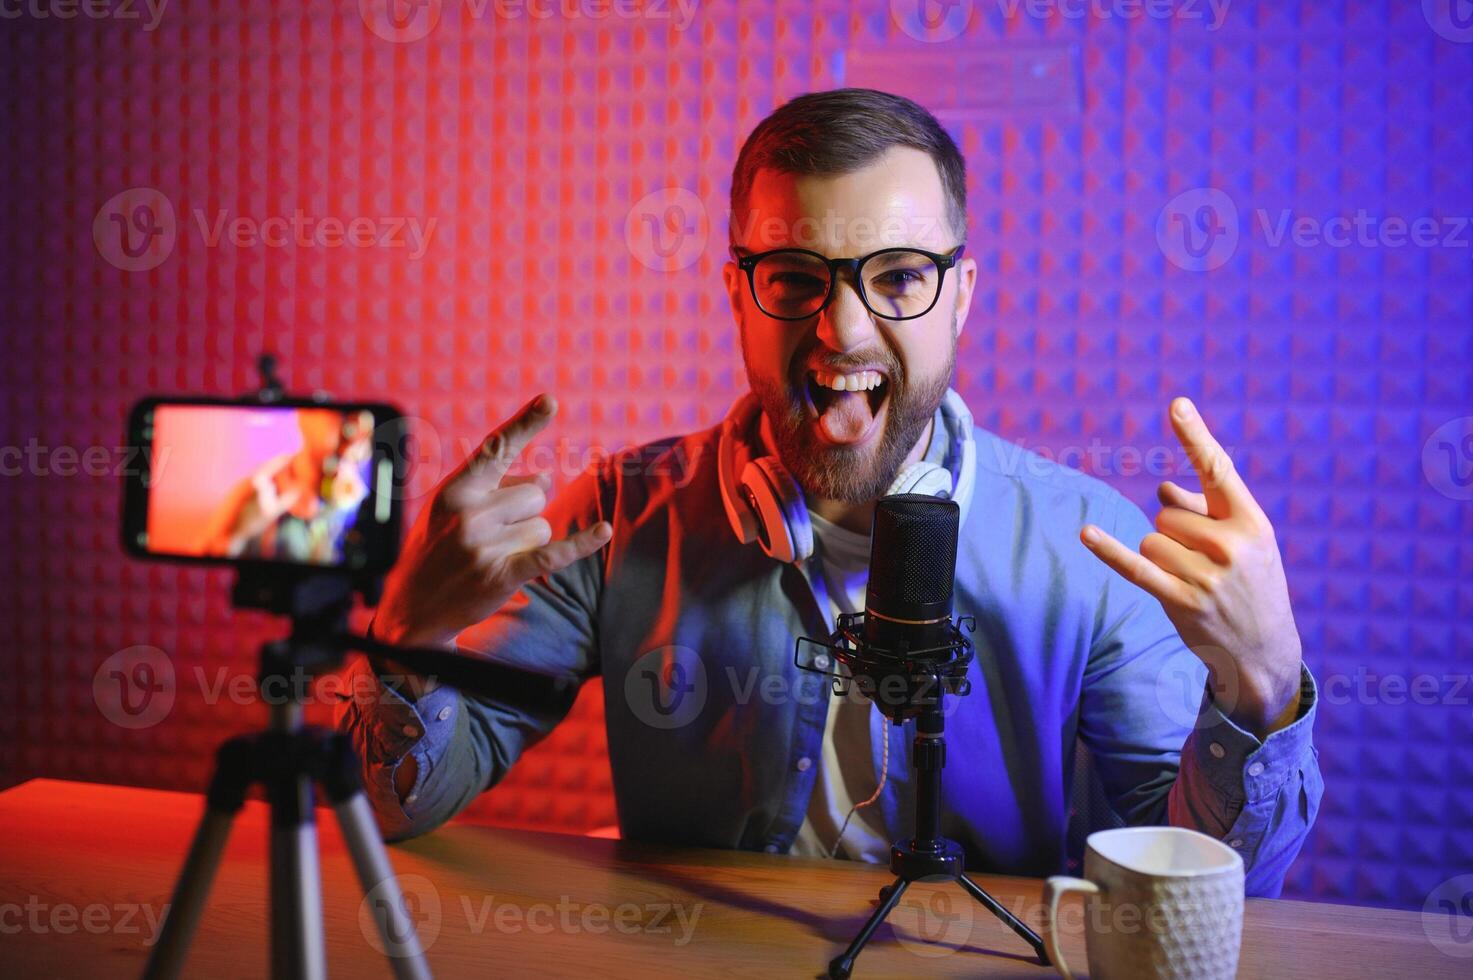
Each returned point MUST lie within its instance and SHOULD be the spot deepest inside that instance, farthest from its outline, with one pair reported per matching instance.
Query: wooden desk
(85, 871)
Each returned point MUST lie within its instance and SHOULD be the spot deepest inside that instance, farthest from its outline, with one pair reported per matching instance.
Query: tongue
(847, 416)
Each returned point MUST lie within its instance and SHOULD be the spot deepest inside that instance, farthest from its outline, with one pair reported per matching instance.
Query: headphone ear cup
(783, 528)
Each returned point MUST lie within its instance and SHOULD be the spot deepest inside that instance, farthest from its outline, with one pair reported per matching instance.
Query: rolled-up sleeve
(1260, 797)
(387, 727)
(463, 743)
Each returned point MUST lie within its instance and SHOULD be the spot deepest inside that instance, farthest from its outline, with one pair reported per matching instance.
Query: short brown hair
(840, 131)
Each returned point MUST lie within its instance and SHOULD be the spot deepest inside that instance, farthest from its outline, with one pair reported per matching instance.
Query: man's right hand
(479, 538)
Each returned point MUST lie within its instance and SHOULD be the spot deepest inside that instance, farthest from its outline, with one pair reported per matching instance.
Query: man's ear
(966, 281)
(736, 285)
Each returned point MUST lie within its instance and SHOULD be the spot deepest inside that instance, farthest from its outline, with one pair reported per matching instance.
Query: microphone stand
(927, 856)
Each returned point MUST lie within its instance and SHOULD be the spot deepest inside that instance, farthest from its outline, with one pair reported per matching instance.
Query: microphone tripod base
(931, 860)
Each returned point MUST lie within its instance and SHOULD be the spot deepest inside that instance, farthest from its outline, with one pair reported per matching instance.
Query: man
(685, 591)
(298, 506)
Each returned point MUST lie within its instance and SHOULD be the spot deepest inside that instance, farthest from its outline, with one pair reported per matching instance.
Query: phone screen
(299, 484)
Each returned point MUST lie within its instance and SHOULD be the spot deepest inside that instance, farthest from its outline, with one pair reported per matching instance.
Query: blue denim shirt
(714, 734)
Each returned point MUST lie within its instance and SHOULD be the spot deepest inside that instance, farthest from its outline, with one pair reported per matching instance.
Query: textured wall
(540, 204)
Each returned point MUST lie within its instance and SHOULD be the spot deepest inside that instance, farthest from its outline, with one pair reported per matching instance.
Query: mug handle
(1053, 890)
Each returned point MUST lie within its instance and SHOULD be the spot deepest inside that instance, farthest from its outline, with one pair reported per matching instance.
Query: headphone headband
(733, 453)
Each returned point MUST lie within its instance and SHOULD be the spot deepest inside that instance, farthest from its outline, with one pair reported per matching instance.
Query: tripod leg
(365, 846)
(1009, 919)
(190, 894)
(841, 966)
(226, 796)
(297, 947)
(401, 941)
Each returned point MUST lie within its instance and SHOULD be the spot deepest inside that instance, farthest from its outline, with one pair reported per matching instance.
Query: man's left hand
(1214, 565)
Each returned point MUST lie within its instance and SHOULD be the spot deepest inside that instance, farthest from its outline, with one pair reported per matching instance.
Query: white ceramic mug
(1164, 903)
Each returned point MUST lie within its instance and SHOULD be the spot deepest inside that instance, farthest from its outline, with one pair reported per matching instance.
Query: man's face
(848, 393)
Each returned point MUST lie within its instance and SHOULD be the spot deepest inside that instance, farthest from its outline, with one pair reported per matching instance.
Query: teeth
(860, 381)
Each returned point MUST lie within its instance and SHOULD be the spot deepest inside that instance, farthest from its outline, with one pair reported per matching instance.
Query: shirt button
(1235, 843)
(1217, 750)
(771, 848)
(1256, 769)
(804, 763)
(411, 798)
(821, 661)
(444, 713)
(411, 731)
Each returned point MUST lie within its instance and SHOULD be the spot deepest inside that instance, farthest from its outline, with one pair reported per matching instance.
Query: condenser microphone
(904, 650)
(912, 569)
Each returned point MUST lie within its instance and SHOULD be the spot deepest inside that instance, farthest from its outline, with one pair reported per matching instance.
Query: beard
(850, 474)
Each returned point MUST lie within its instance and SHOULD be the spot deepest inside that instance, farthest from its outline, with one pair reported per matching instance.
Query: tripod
(287, 758)
(928, 855)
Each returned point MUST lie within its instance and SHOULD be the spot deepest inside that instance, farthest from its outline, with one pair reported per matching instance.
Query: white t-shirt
(847, 772)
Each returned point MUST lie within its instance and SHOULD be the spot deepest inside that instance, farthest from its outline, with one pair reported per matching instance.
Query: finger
(522, 536)
(486, 466)
(541, 479)
(1180, 561)
(1222, 487)
(1172, 495)
(1193, 530)
(560, 554)
(471, 496)
(504, 506)
(1134, 567)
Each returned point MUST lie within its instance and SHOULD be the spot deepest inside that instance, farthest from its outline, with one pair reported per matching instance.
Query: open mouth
(847, 405)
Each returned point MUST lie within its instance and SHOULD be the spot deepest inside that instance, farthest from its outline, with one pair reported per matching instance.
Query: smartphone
(292, 482)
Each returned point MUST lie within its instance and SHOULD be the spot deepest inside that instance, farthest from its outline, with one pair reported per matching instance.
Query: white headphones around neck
(765, 504)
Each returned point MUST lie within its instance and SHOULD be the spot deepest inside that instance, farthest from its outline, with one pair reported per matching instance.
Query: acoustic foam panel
(540, 157)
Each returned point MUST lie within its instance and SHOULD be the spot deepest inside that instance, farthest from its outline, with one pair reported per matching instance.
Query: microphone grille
(913, 557)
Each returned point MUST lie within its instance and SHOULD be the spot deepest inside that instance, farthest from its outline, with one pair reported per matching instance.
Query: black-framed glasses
(893, 283)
